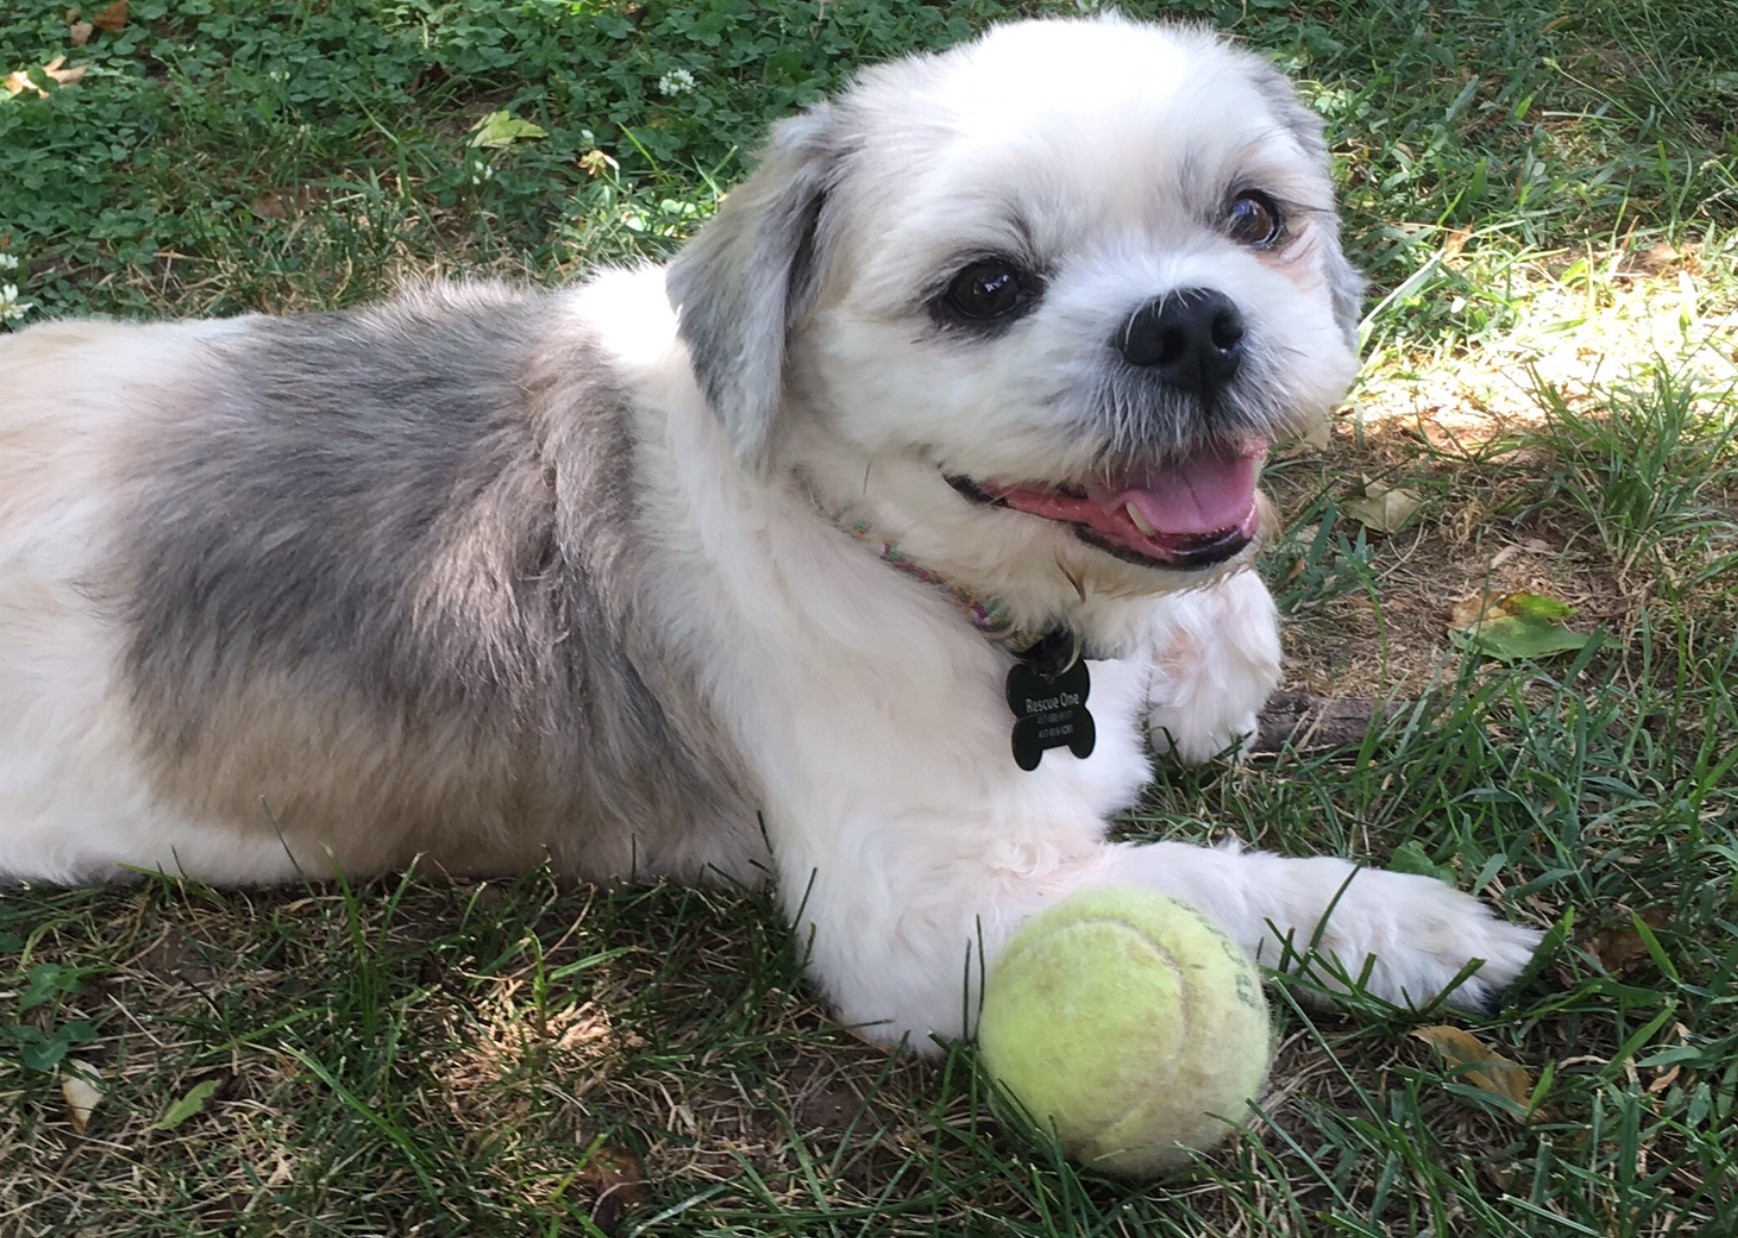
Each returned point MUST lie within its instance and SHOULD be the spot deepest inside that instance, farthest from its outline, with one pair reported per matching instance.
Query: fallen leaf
(283, 1171)
(1530, 546)
(78, 1085)
(1480, 1065)
(189, 1105)
(1382, 509)
(1465, 612)
(25, 79)
(502, 128)
(1513, 626)
(80, 33)
(113, 19)
(1621, 949)
(617, 1182)
(286, 201)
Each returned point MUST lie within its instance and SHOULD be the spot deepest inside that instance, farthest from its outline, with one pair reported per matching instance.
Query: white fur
(867, 712)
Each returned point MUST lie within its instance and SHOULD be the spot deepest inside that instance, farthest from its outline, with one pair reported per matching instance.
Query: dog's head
(1064, 284)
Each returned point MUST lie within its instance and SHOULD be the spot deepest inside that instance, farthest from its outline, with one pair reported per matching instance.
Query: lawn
(1545, 197)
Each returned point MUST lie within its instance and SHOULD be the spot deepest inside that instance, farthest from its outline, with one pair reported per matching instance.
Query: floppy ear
(1345, 285)
(742, 283)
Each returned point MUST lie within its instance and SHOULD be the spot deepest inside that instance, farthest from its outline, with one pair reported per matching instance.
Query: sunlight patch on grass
(1576, 325)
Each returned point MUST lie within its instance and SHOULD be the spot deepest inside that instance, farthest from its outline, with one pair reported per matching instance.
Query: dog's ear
(743, 283)
(1345, 285)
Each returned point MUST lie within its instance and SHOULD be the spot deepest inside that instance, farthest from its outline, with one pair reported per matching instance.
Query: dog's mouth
(1192, 512)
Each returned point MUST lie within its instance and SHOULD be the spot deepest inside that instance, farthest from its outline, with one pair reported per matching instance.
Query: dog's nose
(1192, 337)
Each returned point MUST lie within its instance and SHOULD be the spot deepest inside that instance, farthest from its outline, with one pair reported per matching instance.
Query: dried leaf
(617, 1183)
(283, 1171)
(502, 128)
(22, 80)
(287, 201)
(113, 19)
(1480, 1065)
(1465, 612)
(189, 1105)
(1382, 509)
(1513, 626)
(80, 33)
(78, 1085)
(1527, 546)
(1622, 949)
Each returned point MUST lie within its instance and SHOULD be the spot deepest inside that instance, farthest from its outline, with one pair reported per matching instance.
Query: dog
(865, 545)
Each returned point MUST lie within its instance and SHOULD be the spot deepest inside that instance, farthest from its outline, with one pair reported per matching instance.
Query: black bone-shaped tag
(1047, 690)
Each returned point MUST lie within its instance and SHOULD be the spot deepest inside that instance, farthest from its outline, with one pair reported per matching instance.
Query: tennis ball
(1129, 1024)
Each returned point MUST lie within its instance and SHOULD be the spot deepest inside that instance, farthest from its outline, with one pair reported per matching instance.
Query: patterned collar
(990, 616)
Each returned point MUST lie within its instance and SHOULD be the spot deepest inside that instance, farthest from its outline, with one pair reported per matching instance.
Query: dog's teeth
(1141, 522)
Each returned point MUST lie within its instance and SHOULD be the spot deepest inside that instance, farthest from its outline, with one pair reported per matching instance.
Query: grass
(1546, 198)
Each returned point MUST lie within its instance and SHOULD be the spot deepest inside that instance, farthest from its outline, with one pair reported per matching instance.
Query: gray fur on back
(396, 549)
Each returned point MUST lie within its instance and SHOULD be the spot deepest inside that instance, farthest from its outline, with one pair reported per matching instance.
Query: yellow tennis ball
(1131, 1025)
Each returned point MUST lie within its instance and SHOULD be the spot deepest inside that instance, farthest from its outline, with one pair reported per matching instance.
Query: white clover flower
(676, 82)
(10, 305)
(8, 262)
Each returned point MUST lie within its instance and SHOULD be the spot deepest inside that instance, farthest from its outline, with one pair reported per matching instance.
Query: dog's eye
(993, 288)
(1255, 219)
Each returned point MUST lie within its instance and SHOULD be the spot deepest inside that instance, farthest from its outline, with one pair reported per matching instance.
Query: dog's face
(1084, 273)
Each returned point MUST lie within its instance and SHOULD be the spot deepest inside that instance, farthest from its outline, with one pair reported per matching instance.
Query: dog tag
(1047, 690)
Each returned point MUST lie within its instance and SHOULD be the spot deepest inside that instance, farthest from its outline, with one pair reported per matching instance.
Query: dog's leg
(1215, 661)
(900, 946)
(910, 845)
(905, 889)
(903, 953)
(1405, 938)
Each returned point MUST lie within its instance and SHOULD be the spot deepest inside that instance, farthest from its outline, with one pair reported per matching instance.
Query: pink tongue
(1203, 494)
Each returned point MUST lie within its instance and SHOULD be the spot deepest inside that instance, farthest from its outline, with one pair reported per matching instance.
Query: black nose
(1193, 337)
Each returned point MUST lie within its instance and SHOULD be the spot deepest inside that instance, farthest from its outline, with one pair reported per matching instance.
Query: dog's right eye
(992, 288)
(1254, 219)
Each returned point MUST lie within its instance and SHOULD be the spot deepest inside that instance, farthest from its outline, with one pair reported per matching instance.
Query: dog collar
(988, 615)
(1049, 682)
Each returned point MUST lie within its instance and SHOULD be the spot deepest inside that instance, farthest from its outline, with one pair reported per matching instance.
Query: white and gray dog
(775, 559)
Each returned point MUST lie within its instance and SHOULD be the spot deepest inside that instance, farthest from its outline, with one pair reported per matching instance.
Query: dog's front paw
(1190, 737)
(1216, 661)
(1405, 939)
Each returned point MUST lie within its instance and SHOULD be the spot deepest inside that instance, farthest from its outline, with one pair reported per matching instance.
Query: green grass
(1546, 198)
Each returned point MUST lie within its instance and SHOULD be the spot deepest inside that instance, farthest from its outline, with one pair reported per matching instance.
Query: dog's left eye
(1255, 219)
(992, 288)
